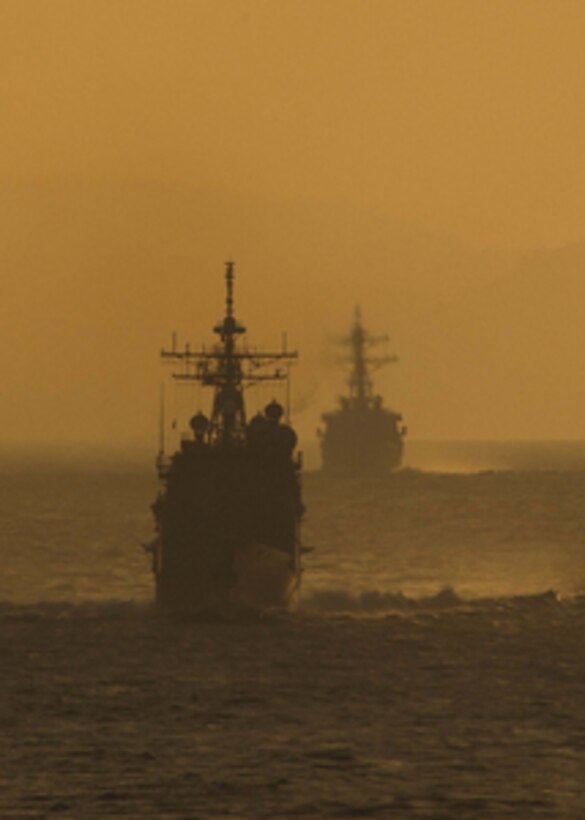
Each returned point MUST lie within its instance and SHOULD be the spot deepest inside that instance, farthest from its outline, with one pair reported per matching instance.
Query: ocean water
(436, 667)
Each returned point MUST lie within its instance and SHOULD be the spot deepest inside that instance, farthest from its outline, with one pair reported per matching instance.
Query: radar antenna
(228, 369)
(359, 380)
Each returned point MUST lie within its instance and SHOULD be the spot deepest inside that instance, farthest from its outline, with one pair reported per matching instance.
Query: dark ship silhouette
(361, 436)
(228, 513)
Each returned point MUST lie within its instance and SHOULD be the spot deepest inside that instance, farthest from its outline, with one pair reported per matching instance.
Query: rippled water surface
(436, 667)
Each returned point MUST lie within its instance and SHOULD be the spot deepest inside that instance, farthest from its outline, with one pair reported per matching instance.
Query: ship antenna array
(229, 277)
(226, 366)
(359, 341)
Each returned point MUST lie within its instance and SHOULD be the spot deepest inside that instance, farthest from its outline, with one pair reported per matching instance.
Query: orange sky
(468, 116)
(347, 150)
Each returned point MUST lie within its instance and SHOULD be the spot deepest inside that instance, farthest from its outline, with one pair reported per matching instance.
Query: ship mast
(228, 369)
(359, 381)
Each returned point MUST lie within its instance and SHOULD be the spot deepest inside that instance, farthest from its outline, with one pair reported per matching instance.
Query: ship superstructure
(361, 436)
(228, 513)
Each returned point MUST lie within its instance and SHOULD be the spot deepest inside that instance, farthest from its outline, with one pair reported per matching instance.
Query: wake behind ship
(229, 510)
(361, 436)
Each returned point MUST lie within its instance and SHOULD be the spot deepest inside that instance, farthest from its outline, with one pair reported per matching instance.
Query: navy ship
(362, 436)
(229, 509)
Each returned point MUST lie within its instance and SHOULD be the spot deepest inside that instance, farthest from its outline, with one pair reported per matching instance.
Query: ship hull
(260, 578)
(361, 442)
(228, 532)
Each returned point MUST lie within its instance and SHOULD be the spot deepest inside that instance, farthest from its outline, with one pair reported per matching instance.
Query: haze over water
(435, 667)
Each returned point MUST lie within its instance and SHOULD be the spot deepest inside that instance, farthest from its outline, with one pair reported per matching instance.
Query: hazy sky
(467, 115)
(347, 150)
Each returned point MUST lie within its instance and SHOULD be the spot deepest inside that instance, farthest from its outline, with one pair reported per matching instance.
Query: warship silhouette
(229, 509)
(361, 436)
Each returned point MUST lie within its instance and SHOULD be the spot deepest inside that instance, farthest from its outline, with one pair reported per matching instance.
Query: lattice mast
(229, 369)
(359, 381)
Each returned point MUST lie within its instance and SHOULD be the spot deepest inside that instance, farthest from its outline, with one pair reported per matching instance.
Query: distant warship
(229, 510)
(361, 436)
